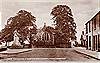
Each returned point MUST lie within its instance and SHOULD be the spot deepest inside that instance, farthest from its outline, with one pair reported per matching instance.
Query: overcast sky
(82, 10)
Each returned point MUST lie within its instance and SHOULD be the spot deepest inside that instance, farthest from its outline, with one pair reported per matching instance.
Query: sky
(82, 10)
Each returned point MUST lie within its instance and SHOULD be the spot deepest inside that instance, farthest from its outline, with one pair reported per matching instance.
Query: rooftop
(93, 17)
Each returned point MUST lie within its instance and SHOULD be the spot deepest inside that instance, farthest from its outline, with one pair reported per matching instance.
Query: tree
(21, 23)
(64, 23)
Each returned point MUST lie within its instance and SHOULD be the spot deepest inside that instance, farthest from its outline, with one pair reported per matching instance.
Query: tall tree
(21, 23)
(64, 23)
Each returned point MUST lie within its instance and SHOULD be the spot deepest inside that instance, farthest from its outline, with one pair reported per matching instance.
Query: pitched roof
(93, 17)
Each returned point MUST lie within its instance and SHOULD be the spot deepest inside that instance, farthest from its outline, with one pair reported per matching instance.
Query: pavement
(52, 54)
(14, 51)
(11, 52)
(71, 54)
(90, 53)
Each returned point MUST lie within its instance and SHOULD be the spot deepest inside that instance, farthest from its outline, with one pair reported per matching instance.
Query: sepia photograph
(50, 31)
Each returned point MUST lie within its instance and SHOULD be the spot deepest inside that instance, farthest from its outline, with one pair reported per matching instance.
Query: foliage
(64, 23)
(21, 23)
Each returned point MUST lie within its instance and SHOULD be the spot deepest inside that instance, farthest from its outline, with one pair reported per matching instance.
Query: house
(93, 33)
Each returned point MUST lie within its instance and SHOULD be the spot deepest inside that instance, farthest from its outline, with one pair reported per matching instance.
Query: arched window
(46, 36)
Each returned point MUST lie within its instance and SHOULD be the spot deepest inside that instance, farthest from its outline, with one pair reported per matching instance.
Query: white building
(93, 33)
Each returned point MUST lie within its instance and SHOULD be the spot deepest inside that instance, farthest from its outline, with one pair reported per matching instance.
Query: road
(68, 53)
